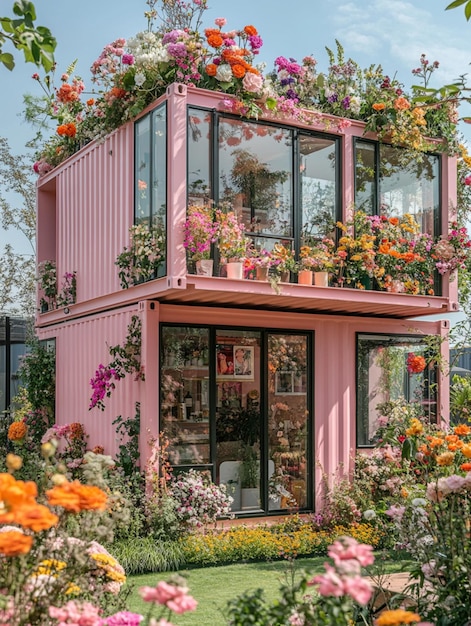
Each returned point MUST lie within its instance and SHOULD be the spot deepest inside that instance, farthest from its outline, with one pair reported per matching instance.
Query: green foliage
(458, 3)
(128, 430)
(460, 396)
(140, 555)
(36, 42)
(38, 376)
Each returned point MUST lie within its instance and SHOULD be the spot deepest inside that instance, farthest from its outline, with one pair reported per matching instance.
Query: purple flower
(177, 50)
(127, 59)
(332, 98)
(255, 42)
(292, 95)
(346, 102)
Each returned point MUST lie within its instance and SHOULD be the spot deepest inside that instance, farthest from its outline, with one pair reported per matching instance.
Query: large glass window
(390, 184)
(237, 402)
(392, 370)
(255, 175)
(318, 185)
(150, 174)
(282, 182)
(199, 156)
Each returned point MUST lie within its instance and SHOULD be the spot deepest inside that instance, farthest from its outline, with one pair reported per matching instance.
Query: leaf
(7, 59)
(467, 10)
(455, 4)
(406, 449)
(466, 120)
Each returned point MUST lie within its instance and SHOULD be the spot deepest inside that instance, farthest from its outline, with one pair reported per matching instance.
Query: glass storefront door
(238, 403)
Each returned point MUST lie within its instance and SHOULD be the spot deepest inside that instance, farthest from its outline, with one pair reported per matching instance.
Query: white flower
(224, 73)
(419, 502)
(369, 514)
(139, 79)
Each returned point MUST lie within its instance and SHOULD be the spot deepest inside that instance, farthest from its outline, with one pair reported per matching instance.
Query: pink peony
(329, 584)
(123, 618)
(358, 588)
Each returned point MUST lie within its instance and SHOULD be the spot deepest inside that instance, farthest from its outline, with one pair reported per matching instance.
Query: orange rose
(211, 69)
(90, 102)
(36, 518)
(238, 70)
(14, 543)
(466, 450)
(17, 431)
(462, 429)
(379, 106)
(466, 467)
(401, 104)
(250, 30)
(215, 40)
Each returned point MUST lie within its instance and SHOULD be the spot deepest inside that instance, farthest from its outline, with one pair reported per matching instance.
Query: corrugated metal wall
(94, 212)
(85, 344)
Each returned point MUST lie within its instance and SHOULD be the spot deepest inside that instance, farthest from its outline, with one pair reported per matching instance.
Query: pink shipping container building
(268, 385)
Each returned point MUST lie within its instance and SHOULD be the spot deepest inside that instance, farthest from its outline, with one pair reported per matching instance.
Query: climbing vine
(126, 360)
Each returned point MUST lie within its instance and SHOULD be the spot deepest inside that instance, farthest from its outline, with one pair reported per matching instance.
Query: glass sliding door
(238, 417)
(288, 421)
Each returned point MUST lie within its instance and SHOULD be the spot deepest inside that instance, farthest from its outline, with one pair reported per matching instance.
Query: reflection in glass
(405, 186)
(409, 188)
(199, 156)
(255, 174)
(365, 177)
(184, 405)
(142, 178)
(318, 185)
(385, 377)
(287, 421)
(238, 419)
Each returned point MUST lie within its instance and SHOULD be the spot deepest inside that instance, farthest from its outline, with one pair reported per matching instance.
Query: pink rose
(358, 588)
(252, 82)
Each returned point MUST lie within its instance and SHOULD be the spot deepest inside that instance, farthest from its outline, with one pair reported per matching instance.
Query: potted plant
(249, 476)
(232, 242)
(200, 232)
(146, 253)
(283, 262)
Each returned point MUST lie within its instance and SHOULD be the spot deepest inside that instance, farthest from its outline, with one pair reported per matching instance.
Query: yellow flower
(13, 462)
(416, 427)
(396, 618)
(445, 459)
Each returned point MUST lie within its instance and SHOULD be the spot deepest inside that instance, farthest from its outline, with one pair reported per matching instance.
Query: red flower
(415, 363)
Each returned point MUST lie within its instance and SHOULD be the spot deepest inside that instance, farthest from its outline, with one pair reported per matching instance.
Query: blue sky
(393, 33)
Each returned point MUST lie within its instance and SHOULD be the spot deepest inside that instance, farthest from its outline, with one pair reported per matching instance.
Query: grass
(212, 587)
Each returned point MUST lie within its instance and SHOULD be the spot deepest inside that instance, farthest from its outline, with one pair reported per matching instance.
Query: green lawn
(214, 586)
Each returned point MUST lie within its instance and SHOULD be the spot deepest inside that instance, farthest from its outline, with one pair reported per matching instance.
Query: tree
(17, 270)
(36, 42)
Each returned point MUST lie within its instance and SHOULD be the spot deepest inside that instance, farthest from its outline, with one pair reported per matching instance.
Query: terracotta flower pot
(305, 277)
(321, 279)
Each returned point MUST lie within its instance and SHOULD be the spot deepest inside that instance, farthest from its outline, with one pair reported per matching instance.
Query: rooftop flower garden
(130, 74)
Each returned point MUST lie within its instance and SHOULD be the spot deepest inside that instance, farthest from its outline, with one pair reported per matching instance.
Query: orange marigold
(76, 497)
(379, 106)
(211, 69)
(466, 450)
(14, 543)
(250, 30)
(36, 518)
(462, 429)
(17, 431)
(465, 467)
(396, 617)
